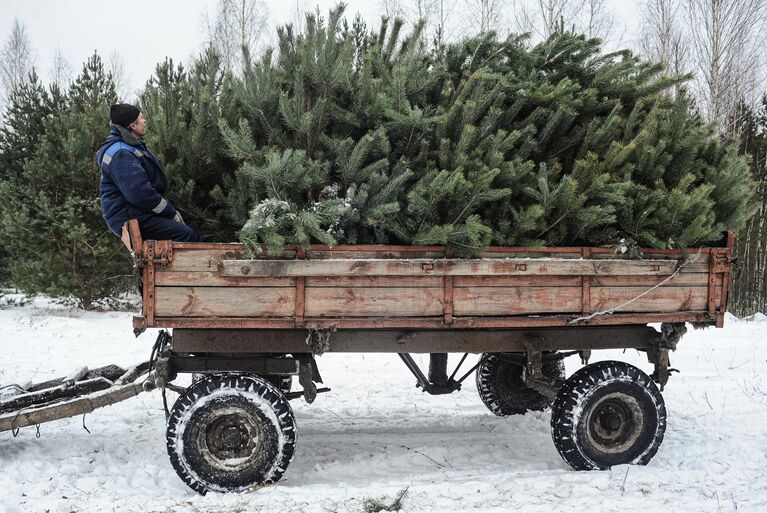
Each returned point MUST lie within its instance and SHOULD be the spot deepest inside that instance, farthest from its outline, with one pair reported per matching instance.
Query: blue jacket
(132, 180)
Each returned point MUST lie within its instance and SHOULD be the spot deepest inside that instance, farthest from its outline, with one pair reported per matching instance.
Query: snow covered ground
(376, 434)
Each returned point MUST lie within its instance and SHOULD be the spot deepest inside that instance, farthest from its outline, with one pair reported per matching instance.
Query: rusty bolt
(245, 269)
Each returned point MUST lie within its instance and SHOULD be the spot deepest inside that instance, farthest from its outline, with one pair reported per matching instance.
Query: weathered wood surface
(225, 301)
(418, 301)
(454, 267)
(213, 279)
(373, 301)
(662, 299)
(516, 300)
(221, 281)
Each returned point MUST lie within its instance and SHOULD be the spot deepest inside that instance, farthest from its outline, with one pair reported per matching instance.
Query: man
(133, 182)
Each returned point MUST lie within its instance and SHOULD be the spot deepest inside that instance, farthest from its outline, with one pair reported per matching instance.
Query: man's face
(138, 127)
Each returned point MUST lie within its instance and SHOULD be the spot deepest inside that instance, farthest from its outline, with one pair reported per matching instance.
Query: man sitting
(133, 182)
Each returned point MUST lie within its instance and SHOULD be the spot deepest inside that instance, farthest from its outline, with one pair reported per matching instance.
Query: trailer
(246, 325)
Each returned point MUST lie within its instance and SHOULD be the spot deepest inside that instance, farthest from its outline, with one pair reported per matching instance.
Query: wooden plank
(487, 301)
(531, 253)
(370, 281)
(448, 299)
(372, 301)
(586, 287)
(517, 281)
(225, 301)
(425, 267)
(698, 263)
(300, 298)
(711, 285)
(681, 279)
(207, 259)
(436, 322)
(212, 279)
(319, 255)
(576, 250)
(662, 299)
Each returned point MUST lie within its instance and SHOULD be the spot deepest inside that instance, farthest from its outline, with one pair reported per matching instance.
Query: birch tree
(662, 34)
(542, 18)
(728, 38)
(61, 71)
(116, 68)
(235, 27)
(16, 59)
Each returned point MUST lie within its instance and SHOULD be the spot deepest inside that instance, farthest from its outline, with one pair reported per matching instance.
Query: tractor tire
(283, 383)
(608, 413)
(502, 388)
(230, 432)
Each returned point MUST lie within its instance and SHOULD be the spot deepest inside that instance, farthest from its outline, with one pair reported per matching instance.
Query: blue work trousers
(162, 228)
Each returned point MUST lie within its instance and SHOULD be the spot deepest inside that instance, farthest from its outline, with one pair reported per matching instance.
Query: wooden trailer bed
(218, 286)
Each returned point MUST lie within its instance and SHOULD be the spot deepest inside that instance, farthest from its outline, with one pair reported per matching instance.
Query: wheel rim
(231, 439)
(615, 423)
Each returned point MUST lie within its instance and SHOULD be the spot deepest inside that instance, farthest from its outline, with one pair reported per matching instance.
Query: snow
(376, 434)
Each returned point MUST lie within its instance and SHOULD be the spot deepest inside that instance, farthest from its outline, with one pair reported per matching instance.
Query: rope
(614, 309)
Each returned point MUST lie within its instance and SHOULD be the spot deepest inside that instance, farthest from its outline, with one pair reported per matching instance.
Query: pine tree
(50, 216)
(358, 139)
(29, 106)
(182, 111)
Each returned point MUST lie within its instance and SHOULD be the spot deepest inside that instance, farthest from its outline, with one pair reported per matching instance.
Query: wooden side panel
(662, 299)
(515, 300)
(212, 279)
(680, 280)
(225, 301)
(192, 259)
(421, 253)
(453, 267)
(372, 281)
(517, 281)
(393, 286)
(373, 302)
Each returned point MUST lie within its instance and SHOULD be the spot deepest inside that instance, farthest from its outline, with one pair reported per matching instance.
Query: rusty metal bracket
(720, 261)
(670, 334)
(163, 253)
(306, 366)
(668, 339)
(160, 254)
(534, 376)
(318, 340)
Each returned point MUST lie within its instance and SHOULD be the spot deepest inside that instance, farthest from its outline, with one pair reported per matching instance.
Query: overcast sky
(144, 32)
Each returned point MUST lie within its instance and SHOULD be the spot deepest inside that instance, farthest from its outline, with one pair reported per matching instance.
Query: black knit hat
(123, 114)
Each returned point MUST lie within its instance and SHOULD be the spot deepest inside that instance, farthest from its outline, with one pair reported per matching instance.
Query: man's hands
(178, 217)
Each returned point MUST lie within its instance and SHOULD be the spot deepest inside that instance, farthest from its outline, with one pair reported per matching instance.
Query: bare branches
(237, 26)
(485, 15)
(120, 78)
(662, 34)
(542, 18)
(61, 71)
(16, 59)
(727, 42)
(596, 20)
